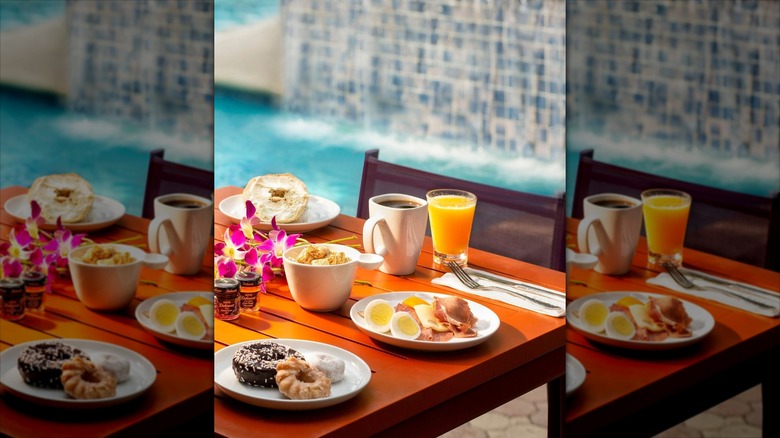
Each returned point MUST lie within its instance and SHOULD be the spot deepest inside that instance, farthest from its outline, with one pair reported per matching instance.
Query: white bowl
(110, 287)
(324, 288)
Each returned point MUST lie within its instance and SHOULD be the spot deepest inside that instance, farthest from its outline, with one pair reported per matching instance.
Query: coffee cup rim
(592, 199)
(162, 199)
(397, 196)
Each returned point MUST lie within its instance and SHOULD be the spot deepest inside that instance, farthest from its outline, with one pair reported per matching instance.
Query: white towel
(449, 279)
(773, 300)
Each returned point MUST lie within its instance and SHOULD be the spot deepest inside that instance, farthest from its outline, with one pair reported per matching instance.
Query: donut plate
(356, 377)
(142, 375)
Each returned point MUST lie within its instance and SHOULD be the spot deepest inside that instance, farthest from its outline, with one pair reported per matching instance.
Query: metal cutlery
(683, 281)
(732, 285)
(473, 284)
(516, 285)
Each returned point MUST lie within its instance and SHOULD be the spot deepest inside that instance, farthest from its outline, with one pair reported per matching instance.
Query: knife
(516, 285)
(737, 286)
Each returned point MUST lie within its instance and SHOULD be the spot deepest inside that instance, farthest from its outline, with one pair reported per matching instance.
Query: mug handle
(582, 236)
(368, 235)
(155, 226)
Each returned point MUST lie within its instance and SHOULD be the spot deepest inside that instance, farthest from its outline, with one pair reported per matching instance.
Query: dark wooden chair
(523, 226)
(166, 177)
(734, 225)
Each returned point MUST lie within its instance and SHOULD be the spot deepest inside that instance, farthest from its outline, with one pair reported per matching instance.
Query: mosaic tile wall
(487, 73)
(150, 61)
(700, 73)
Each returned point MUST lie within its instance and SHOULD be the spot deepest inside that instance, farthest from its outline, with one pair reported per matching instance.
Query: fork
(683, 281)
(470, 283)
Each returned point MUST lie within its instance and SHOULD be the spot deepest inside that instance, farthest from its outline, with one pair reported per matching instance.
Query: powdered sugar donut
(118, 367)
(332, 366)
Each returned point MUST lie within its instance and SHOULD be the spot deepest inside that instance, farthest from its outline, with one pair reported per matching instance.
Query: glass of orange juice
(666, 218)
(451, 213)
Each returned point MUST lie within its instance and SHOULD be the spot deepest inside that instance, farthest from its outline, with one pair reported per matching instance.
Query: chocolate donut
(255, 364)
(41, 364)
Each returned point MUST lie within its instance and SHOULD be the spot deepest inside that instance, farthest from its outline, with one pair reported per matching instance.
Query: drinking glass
(451, 214)
(666, 218)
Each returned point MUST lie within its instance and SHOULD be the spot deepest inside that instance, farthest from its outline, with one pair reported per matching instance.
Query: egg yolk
(595, 314)
(381, 315)
(166, 314)
(622, 326)
(191, 325)
(407, 326)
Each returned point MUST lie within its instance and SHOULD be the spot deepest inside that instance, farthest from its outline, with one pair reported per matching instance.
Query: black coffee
(399, 203)
(614, 203)
(184, 203)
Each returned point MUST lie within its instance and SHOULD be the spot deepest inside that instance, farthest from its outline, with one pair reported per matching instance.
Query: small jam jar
(34, 291)
(12, 294)
(249, 283)
(226, 299)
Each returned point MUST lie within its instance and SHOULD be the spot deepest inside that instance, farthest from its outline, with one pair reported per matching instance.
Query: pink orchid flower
(34, 222)
(11, 267)
(249, 222)
(235, 243)
(260, 263)
(226, 266)
(277, 243)
(19, 242)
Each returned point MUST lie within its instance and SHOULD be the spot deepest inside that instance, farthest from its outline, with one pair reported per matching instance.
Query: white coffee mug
(181, 229)
(401, 221)
(610, 230)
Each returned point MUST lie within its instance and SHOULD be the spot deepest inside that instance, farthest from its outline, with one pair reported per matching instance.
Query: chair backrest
(734, 225)
(166, 177)
(523, 226)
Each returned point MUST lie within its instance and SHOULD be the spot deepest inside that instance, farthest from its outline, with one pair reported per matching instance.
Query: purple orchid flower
(277, 243)
(19, 244)
(260, 263)
(34, 222)
(11, 267)
(235, 243)
(226, 267)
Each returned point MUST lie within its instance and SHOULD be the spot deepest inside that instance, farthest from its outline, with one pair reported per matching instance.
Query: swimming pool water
(15, 13)
(253, 137)
(230, 13)
(40, 137)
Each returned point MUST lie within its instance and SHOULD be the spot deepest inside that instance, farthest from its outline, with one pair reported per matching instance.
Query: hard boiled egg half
(403, 326)
(379, 315)
(593, 315)
(189, 326)
(619, 326)
(163, 315)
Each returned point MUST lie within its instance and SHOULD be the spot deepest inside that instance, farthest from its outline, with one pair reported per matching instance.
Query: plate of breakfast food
(70, 198)
(424, 321)
(638, 320)
(284, 197)
(181, 318)
(575, 374)
(289, 374)
(75, 373)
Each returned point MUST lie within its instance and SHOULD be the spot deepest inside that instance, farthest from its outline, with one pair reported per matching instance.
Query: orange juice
(666, 217)
(451, 218)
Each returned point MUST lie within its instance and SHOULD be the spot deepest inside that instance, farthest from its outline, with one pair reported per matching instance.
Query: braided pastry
(82, 379)
(300, 381)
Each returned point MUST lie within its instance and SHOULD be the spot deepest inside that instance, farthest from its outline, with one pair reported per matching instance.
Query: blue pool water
(253, 137)
(231, 13)
(14, 13)
(39, 137)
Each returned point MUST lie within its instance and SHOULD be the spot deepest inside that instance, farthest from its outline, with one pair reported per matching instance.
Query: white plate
(142, 315)
(487, 324)
(702, 323)
(575, 374)
(142, 375)
(105, 212)
(319, 212)
(356, 377)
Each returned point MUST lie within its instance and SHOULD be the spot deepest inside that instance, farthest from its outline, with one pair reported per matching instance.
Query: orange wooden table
(410, 392)
(627, 393)
(183, 388)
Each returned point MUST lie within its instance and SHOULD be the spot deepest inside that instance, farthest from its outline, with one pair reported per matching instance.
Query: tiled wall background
(148, 60)
(699, 73)
(488, 73)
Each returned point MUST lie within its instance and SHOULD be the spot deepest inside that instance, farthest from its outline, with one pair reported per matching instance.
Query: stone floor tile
(680, 431)
(732, 407)
(491, 421)
(466, 431)
(756, 414)
(522, 430)
(735, 431)
(537, 394)
(517, 408)
(751, 395)
(705, 421)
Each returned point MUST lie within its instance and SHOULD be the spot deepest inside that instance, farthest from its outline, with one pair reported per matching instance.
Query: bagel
(68, 196)
(281, 195)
